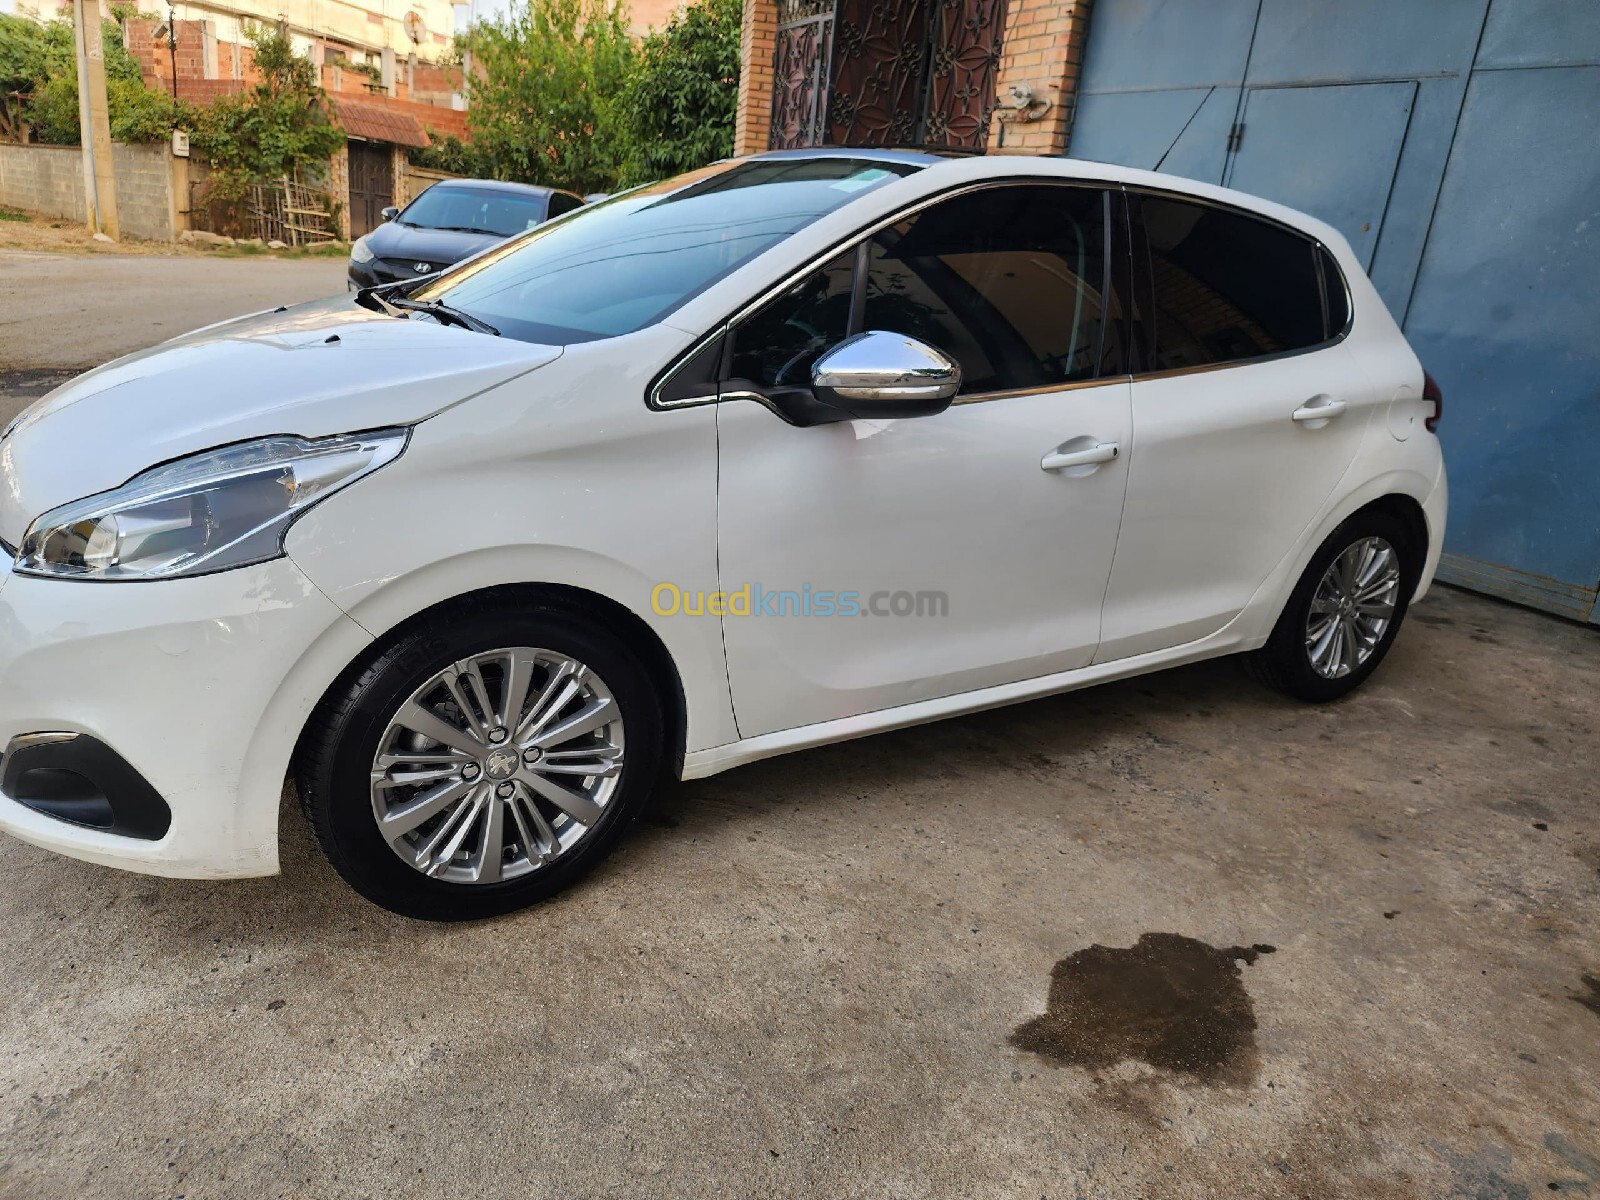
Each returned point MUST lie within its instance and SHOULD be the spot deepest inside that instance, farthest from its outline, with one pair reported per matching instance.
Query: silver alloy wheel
(498, 765)
(1352, 607)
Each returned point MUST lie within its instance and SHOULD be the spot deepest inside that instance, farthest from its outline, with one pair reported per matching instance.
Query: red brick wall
(1043, 50)
(429, 102)
(155, 59)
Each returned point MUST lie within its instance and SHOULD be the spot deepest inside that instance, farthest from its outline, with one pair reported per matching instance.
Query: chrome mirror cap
(889, 369)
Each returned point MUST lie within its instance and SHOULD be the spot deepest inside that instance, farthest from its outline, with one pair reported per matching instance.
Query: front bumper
(382, 270)
(201, 686)
(361, 275)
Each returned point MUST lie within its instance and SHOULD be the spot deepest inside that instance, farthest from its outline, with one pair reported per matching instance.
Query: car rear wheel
(485, 759)
(1345, 611)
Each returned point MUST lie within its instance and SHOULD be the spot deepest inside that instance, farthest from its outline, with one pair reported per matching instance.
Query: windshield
(622, 264)
(472, 211)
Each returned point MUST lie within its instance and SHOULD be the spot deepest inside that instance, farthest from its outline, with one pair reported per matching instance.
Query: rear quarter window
(1225, 287)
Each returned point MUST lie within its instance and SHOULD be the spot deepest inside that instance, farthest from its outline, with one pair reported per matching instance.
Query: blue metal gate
(1456, 143)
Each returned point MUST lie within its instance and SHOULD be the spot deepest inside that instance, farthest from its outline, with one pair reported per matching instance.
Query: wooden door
(371, 185)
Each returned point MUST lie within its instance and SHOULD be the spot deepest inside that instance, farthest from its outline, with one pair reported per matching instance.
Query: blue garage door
(1508, 301)
(1454, 142)
(1358, 130)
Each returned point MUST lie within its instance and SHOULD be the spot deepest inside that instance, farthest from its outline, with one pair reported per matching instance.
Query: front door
(889, 562)
(371, 185)
(1247, 411)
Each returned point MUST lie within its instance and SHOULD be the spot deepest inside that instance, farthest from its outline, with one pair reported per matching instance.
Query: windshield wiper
(368, 297)
(470, 229)
(441, 312)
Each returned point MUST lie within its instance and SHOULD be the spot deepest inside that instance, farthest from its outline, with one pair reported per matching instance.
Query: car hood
(315, 370)
(408, 243)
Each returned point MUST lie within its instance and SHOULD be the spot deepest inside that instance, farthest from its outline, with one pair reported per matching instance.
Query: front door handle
(1319, 408)
(1060, 460)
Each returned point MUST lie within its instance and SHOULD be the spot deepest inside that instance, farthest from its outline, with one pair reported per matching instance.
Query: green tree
(547, 86)
(684, 93)
(283, 123)
(41, 60)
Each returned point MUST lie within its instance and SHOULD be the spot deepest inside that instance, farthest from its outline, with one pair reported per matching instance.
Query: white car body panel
(206, 707)
(879, 506)
(1221, 478)
(573, 481)
(531, 464)
(353, 370)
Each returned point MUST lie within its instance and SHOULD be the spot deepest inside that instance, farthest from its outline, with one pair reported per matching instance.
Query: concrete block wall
(48, 180)
(144, 191)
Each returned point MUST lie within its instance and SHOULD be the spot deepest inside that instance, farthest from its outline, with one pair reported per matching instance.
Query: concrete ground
(62, 314)
(804, 977)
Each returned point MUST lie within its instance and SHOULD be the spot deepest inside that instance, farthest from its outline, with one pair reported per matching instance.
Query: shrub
(281, 124)
(684, 93)
(548, 88)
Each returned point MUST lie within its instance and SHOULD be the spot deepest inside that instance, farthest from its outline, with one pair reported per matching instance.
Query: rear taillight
(1431, 392)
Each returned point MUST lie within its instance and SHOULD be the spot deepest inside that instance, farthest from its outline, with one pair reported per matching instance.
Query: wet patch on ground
(1587, 1165)
(31, 384)
(1589, 996)
(1171, 1001)
(1485, 1174)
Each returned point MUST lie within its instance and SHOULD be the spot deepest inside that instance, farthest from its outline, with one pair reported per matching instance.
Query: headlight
(224, 508)
(360, 251)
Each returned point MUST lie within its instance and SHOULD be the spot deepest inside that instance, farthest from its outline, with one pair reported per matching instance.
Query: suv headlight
(224, 508)
(361, 252)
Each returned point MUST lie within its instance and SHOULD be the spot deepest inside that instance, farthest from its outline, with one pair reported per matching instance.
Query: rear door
(1248, 408)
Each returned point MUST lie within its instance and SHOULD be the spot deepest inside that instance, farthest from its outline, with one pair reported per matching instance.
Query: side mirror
(390, 213)
(879, 374)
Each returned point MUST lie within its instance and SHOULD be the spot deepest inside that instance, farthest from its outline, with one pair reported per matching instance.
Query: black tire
(1284, 663)
(338, 748)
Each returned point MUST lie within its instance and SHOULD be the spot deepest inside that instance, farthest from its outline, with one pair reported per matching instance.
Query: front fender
(562, 476)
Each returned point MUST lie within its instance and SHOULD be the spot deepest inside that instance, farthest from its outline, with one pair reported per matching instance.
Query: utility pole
(172, 46)
(94, 122)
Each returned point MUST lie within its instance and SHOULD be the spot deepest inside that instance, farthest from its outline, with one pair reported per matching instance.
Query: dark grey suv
(448, 222)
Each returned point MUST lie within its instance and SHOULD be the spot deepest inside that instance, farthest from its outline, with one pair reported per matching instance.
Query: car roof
(958, 167)
(921, 158)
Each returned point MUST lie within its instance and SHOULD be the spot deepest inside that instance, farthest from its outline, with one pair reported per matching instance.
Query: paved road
(802, 978)
(61, 314)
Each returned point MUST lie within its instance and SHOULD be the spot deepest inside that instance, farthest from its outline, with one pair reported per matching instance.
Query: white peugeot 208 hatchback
(791, 449)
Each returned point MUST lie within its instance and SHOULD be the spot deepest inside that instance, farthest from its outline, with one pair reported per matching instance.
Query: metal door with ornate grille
(800, 73)
(886, 72)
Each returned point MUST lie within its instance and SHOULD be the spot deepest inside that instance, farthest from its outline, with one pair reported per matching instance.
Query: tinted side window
(776, 345)
(560, 203)
(1227, 287)
(1011, 282)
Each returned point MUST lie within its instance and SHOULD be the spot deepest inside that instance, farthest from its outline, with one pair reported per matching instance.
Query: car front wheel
(485, 759)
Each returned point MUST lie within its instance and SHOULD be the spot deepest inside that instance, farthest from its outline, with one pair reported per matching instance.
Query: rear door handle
(1319, 408)
(1060, 460)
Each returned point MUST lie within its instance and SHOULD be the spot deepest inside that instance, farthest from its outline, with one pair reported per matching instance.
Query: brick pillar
(339, 189)
(758, 41)
(1042, 50)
